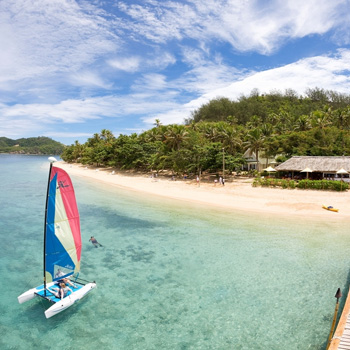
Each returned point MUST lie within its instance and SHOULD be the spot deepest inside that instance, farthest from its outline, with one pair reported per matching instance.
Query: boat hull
(58, 304)
(69, 300)
(32, 293)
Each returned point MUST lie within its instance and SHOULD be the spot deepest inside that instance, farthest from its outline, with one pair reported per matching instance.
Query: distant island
(31, 145)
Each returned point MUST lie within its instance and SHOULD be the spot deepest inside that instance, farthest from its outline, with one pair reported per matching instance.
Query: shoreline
(236, 195)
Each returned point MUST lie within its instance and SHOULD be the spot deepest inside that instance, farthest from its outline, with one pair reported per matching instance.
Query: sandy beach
(237, 195)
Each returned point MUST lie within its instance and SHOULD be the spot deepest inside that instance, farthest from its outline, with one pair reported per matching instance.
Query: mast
(52, 160)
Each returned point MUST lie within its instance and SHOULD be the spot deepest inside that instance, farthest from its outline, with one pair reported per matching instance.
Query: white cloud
(152, 81)
(48, 36)
(205, 75)
(88, 78)
(173, 116)
(246, 25)
(327, 72)
(25, 118)
(69, 111)
(264, 26)
(330, 73)
(18, 127)
(156, 60)
(76, 135)
(158, 22)
(161, 60)
(93, 60)
(128, 64)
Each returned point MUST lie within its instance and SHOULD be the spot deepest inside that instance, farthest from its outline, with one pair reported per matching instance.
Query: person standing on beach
(93, 240)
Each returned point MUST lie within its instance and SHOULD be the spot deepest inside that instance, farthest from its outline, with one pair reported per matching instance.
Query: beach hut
(254, 163)
(322, 167)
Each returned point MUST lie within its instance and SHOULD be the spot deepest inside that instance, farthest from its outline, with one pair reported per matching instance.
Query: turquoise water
(171, 275)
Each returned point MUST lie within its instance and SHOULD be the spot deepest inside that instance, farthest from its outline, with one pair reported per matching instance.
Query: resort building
(252, 163)
(331, 168)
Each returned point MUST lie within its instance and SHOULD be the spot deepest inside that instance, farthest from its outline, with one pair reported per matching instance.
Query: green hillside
(31, 145)
(221, 132)
(265, 106)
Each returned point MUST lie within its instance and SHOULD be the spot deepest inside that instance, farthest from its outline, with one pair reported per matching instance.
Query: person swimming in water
(93, 240)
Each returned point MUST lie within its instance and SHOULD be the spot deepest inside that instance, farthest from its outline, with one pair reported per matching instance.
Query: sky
(70, 68)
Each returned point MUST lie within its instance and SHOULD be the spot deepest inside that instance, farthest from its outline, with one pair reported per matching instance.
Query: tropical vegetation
(326, 185)
(273, 125)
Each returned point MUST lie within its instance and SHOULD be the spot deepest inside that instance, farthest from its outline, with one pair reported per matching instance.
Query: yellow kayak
(329, 208)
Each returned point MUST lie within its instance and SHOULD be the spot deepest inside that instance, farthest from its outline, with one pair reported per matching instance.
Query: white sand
(238, 194)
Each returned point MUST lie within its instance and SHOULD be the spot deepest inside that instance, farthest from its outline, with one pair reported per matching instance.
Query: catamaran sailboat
(62, 245)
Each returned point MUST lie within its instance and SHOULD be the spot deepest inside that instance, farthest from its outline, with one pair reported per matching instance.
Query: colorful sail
(63, 239)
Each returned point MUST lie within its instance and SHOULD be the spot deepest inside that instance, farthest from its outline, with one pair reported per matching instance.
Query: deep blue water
(171, 275)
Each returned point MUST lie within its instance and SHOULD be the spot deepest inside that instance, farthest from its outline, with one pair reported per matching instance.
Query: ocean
(170, 274)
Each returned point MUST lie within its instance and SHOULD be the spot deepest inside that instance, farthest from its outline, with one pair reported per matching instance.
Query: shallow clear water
(171, 275)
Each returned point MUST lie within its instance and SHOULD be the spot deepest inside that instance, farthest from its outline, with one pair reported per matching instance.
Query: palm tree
(232, 120)
(77, 150)
(342, 118)
(303, 123)
(346, 118)
(150, 135)
(211, 132)
(231, 140)
(106, 135)
(267, 129)
(94, 140)
(175, 135)
(157, 123)
(254, 122)
(320, 119)
(255, 142)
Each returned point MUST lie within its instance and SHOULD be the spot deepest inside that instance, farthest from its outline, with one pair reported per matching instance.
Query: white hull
(69, 300)
(30, 294)
(60, 305)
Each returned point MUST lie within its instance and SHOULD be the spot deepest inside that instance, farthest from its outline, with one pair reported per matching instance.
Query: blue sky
(70, 68)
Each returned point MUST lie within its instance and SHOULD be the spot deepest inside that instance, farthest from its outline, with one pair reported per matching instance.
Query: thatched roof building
(316, 164)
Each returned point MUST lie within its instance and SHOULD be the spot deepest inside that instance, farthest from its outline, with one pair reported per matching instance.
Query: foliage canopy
(221, 131)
